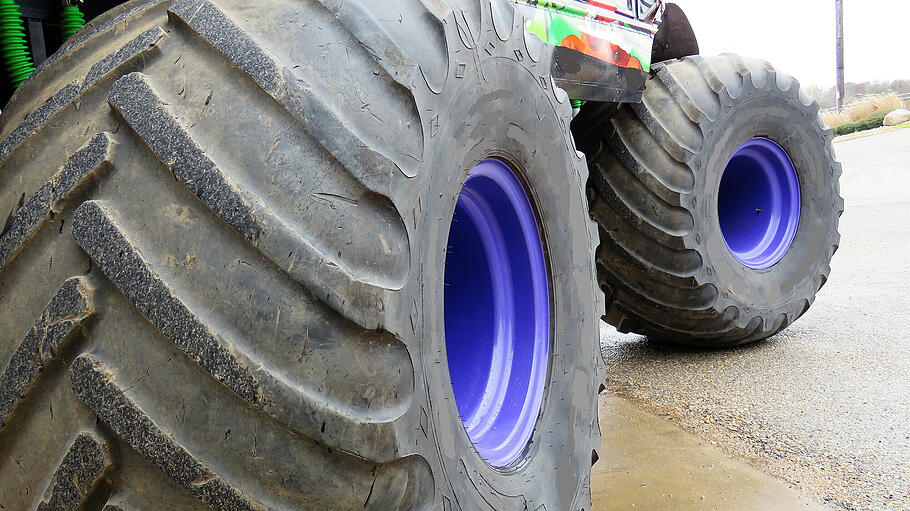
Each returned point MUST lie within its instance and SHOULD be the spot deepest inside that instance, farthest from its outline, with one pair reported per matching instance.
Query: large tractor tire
(230, 276)
(717, 199)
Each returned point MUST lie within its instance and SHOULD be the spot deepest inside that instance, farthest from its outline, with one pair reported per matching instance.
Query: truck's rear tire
(717, 200)
(230, 275)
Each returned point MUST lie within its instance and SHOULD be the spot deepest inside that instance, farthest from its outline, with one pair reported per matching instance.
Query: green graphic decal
(593, 28)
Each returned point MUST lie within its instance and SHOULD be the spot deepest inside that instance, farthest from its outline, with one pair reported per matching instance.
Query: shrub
(836, 119)
(860, 111)
(873, 121)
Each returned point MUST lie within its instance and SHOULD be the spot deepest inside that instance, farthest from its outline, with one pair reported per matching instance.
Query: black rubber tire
(655, 172)
(221, 276)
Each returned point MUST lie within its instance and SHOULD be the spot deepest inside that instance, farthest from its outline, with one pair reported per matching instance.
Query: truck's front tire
(233, 276)
(717, 200)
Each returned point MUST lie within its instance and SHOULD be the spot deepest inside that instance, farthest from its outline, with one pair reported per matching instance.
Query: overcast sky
(798, 35)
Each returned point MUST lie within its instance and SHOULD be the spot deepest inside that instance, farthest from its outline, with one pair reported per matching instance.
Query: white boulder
(899, 116)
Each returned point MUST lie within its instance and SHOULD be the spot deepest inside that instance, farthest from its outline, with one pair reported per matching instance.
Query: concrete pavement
(650, 464)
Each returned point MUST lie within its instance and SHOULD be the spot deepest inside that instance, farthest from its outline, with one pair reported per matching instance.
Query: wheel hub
(497, 321)
(758, 203)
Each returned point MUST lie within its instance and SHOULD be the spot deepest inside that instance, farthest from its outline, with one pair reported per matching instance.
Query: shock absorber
(71, 18)
(13, 47)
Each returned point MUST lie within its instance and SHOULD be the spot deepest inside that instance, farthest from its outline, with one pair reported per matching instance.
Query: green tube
(71, 20)
(13, 48)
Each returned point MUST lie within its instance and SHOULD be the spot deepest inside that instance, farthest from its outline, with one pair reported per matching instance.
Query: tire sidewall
(769, 113)
(502, 111)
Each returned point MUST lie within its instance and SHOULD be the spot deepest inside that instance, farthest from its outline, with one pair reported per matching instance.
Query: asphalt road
(825, 405)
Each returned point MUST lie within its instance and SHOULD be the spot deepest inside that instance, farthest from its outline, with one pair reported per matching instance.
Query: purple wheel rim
(758, 203)
(497, 313)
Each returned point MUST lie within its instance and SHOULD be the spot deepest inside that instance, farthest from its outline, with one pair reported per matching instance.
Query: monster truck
(352, 254)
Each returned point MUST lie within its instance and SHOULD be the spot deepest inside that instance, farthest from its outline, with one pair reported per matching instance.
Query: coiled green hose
(71, 20)
(13, 48)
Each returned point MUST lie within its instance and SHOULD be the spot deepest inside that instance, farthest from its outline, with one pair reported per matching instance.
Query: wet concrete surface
(824, 406)
(650, 464)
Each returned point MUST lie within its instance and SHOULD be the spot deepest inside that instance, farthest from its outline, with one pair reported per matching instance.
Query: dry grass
(862, 109)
